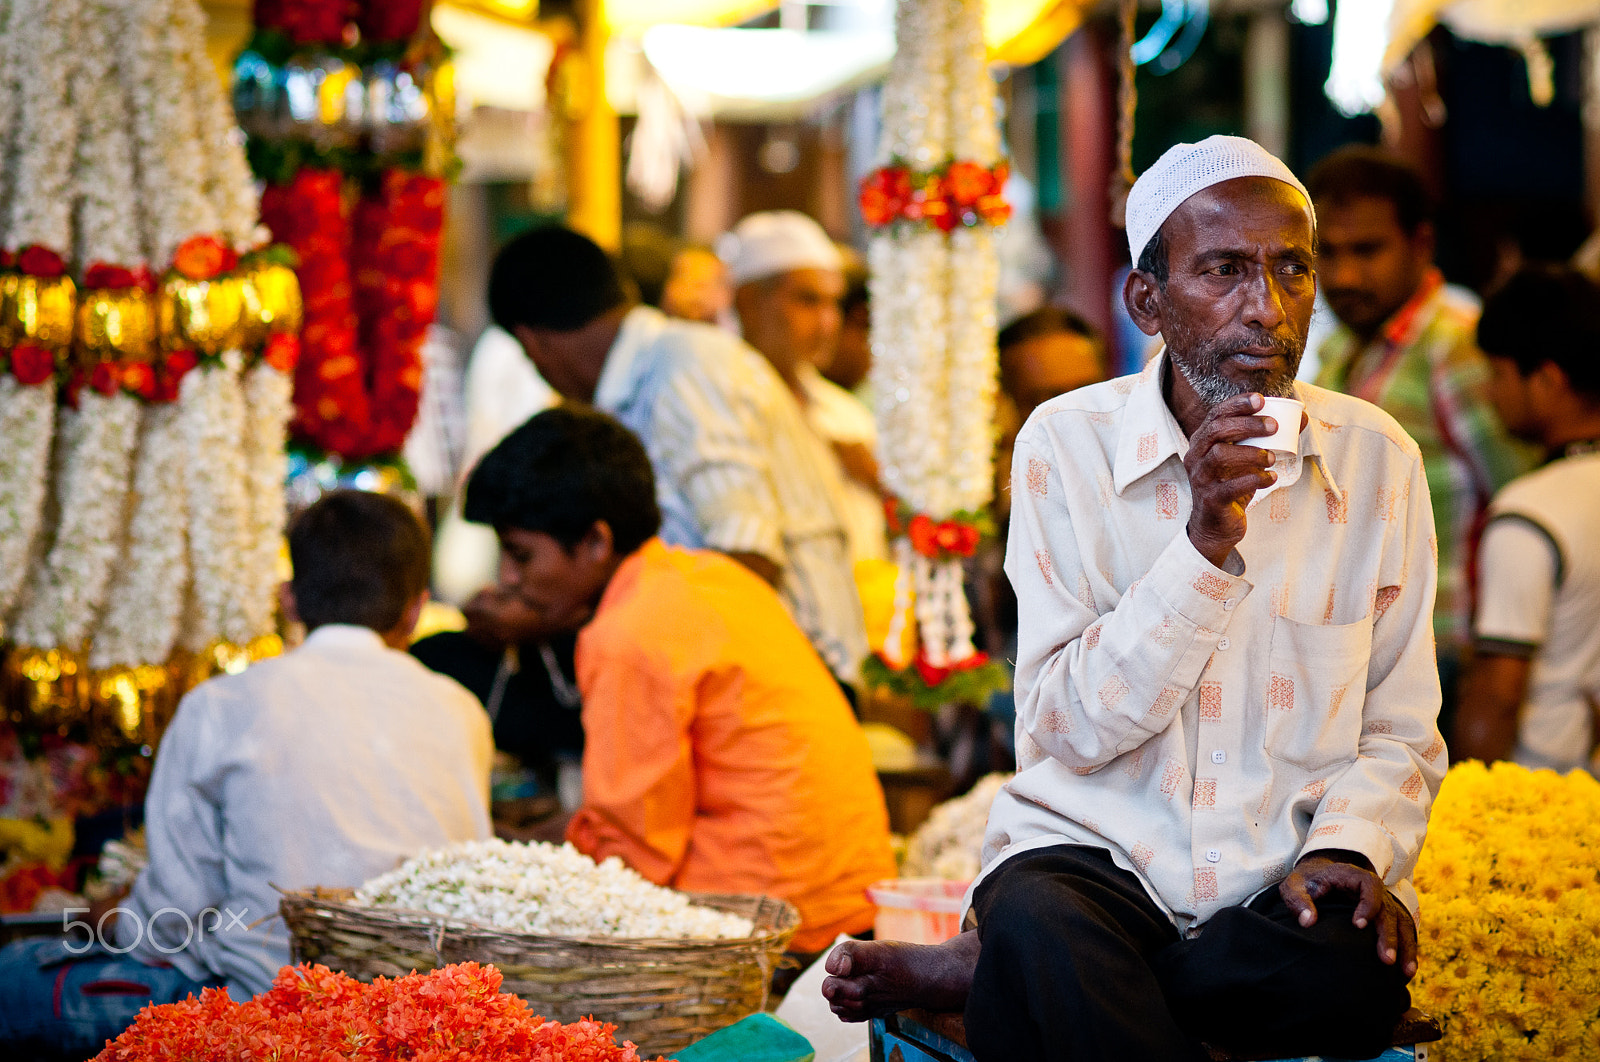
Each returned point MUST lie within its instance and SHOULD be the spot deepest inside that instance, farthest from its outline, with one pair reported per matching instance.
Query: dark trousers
(1077, 963)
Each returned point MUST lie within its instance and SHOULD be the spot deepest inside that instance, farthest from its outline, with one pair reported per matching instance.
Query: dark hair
(646, 256)
(1045, 321)
(1153, 259)
(563, 470)
(553, 278)
(856, 292)
(1360, 171)
(1546, 313)
(359, 558)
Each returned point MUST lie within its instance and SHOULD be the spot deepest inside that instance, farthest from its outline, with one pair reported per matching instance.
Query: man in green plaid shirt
(1405, 342)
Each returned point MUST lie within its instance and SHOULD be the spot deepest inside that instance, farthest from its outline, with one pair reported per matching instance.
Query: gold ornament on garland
(37, 311)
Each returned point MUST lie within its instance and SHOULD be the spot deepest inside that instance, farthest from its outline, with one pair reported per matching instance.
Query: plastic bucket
(917, 910)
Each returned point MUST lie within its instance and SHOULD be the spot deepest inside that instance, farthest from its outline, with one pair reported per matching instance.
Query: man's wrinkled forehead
(1228, 215)
(1187, 169)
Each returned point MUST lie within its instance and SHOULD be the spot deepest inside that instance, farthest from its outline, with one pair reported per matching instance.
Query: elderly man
(788, 282)
(1225, 683)
(737, 470)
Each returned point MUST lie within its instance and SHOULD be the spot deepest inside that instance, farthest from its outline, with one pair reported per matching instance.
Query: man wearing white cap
(788, 279)
(1226, 696)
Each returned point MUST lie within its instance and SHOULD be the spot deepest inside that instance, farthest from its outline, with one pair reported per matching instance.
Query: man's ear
(286, 603)
(598, 545)
(1422, 243)
(1142, 297)
(1549, 381)
(529, 338)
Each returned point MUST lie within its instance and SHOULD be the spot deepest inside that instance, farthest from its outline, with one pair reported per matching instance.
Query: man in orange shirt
(720, 755)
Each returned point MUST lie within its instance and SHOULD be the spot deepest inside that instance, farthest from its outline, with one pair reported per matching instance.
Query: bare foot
(871, 978)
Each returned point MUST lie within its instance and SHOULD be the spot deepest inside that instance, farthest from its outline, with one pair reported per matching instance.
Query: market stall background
(143, 320)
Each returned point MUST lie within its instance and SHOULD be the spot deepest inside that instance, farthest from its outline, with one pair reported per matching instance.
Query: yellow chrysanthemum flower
(1510, 887)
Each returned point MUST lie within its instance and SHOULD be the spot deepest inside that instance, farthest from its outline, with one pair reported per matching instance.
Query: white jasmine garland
(211, 407)
(933, 328)
(229, 186)
(44, 55)
(108, 217)
(166, 128)
(27, 422)
(8, 107)
(548, 890)
(67, 585)
(269, 403)
(145, 601)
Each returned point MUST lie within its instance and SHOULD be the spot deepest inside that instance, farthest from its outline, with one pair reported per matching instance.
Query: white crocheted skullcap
(1188, 168)
(776, 241)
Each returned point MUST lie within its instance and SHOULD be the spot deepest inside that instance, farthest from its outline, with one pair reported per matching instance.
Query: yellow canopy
(1018, 31)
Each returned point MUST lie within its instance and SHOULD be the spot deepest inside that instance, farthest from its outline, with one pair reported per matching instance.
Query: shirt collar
(1150, 434)
(344, 637)
(619, 376)
(1402, 329)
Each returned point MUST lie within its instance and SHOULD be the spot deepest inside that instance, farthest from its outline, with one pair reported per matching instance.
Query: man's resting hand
(1324, 872)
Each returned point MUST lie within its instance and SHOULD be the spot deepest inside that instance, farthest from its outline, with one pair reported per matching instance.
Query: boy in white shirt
(325, 766)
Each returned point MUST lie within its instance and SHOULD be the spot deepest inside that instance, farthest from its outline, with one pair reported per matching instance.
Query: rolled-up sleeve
(1093, 686)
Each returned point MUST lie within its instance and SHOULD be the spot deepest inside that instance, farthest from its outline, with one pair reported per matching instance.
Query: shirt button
(1213, 856)
(1219, 756)
(1223, 644)
(1227, 606)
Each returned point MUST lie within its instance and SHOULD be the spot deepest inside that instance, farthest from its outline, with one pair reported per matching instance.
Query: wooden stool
(924, 1036)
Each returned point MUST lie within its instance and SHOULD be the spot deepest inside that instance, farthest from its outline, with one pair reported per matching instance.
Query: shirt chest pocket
(1316, 688)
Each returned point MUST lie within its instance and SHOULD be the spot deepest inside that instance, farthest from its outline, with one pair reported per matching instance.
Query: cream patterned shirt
(1210, 727)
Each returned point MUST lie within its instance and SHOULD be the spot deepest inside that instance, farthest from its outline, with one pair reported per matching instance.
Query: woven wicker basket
(662, 994)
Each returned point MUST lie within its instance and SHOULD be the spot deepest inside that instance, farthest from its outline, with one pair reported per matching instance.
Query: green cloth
(758, 1038)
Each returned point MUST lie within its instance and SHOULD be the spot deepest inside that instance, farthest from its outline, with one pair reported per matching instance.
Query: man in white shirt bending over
(1533, 690)
(325, 766)
(1226, 688)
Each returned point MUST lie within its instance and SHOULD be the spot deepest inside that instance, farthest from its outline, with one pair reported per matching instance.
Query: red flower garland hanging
(395, 257)
(961, 193)
(371, 291)
(332, 408)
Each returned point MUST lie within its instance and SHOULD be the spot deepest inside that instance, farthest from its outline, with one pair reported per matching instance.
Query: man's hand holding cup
(1231, 456)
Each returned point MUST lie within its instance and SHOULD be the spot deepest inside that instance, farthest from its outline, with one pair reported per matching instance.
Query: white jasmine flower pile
(543, 889)
(950, 844)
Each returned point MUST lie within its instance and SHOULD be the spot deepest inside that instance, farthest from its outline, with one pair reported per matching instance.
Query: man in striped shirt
(1405, 343)
(737, 469)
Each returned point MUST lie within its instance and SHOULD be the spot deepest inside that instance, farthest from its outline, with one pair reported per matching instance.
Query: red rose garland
(331, 405)
(370, 288)
(962, 193)
(396, 263)
(306, 21)
(389, 20)
(311, 22)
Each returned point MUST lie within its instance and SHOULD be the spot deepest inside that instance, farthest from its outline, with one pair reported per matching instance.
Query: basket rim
(788, 920)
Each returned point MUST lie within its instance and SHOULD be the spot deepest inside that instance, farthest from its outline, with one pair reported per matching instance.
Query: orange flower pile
(452, 1013)
(962, 193)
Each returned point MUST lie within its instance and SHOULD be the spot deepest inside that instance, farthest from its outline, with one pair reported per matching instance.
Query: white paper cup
(1286, 411)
